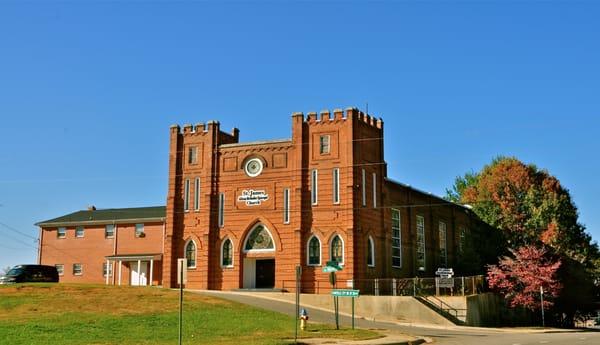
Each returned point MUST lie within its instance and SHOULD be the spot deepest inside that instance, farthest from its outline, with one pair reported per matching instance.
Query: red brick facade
(333, 175)
(355, 152)
(91, 251)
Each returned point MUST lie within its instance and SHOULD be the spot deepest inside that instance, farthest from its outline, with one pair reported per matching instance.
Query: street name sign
(444, 272)
(332, 266)
(345, 293)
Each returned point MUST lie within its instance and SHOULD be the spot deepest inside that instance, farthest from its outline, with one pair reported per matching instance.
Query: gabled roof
(108, 216)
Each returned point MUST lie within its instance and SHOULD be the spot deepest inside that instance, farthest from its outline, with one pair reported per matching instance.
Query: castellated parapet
(201, 129)
(339, 115)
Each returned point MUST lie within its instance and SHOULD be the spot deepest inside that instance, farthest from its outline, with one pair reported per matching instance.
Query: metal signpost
(331, 267)
(181, 279)
(298, 276)
(542, 300)
(345, 293)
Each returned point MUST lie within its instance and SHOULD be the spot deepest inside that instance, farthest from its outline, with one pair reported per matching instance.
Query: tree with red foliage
(520, 278)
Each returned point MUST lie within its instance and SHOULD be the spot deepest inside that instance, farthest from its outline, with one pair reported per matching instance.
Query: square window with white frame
(61, 232)
(60, 268)
(139, 230)
(79, 231)
(109, 231)
(77, 269)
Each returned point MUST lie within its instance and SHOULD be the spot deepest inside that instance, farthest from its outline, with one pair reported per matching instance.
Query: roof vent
(91, 208)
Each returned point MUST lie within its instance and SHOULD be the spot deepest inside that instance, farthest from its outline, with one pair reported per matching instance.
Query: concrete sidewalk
(390, 338)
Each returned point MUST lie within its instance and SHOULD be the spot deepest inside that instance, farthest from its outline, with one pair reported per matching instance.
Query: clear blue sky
(88, 92)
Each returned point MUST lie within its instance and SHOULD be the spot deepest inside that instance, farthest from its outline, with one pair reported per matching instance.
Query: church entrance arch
(259, 258)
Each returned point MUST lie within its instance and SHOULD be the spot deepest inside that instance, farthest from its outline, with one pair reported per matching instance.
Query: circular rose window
(253, 167)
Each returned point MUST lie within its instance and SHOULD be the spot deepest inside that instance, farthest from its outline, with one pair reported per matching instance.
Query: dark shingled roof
(108, 216)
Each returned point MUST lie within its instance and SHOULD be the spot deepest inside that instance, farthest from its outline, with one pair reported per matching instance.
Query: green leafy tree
(532, 209)
(529, 205)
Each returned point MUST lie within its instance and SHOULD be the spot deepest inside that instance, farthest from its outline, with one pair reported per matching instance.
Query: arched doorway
(259, 258)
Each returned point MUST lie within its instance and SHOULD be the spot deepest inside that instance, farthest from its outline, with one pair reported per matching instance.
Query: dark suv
(30, 274)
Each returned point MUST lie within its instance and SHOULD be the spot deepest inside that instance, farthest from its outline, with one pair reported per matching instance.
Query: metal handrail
(448, 307)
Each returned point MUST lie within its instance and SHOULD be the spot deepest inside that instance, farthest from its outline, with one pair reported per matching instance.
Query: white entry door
(139, 274)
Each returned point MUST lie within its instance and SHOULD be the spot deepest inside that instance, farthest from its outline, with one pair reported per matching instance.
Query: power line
(17, 231)
(12, 248)
(43, 245)
(21, 242)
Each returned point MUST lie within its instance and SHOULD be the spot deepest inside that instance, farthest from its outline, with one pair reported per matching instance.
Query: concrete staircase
(452, 308)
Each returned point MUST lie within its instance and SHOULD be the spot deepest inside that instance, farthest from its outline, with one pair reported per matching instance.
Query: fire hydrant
(303, 319)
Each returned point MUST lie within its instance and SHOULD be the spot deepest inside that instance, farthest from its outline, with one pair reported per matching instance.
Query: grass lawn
(97, 314)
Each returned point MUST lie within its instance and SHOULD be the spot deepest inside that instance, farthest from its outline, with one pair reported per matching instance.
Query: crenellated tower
(192, 196)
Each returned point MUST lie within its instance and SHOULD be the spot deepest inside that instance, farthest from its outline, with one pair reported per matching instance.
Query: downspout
(115, 249)
(40, 240)
(164, 228)
(116, 237)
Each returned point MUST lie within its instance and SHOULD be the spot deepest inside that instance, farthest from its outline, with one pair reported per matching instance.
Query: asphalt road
(450, 336)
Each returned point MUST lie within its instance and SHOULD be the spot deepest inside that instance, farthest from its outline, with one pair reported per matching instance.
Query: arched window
(190, 254)
(370, 252)
(337, 249)
(259, 239)
(227, 253)
(314, 251)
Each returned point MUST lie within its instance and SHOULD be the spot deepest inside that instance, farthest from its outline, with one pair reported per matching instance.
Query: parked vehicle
(30, 274)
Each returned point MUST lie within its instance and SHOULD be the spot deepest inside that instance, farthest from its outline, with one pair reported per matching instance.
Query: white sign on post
(449, 272)
(181, 267)
(445, 282)
(445, 279)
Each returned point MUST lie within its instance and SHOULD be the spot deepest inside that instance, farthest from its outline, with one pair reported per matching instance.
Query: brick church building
(246, 214)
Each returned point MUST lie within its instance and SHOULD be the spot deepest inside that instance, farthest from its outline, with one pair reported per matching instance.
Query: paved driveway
(450, 336)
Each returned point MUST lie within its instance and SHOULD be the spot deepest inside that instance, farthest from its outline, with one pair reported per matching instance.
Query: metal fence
(461, 286)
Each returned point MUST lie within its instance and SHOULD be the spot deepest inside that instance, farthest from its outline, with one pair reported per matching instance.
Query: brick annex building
(245, 214)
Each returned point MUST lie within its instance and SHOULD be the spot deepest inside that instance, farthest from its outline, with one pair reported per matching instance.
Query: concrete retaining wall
(483, 310)
(382, 308)
(490, 310)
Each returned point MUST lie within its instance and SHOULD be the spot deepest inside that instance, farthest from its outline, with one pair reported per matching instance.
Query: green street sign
(329, 269)
(331, 266)
(345, 293)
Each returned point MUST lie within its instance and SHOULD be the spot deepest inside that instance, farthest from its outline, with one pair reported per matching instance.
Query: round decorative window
(253, 167)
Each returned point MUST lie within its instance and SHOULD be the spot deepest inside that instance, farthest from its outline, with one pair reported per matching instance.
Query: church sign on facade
(253, 197)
